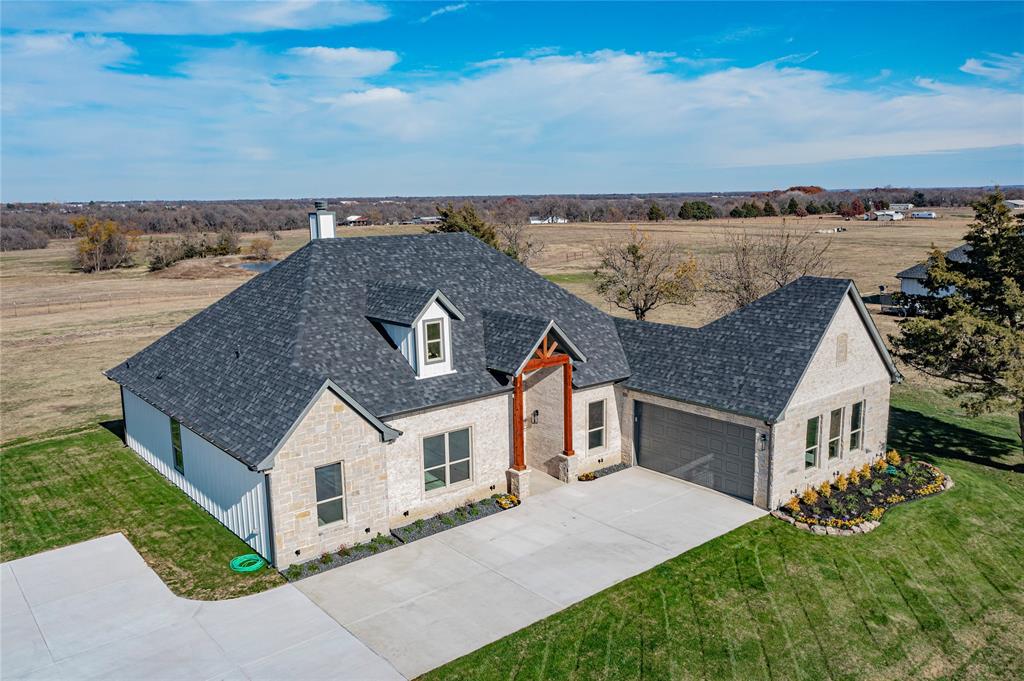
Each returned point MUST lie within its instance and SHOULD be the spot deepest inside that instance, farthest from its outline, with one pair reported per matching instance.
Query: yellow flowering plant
(825, 489)
(893, 457)
(810, 497)
(842, 482)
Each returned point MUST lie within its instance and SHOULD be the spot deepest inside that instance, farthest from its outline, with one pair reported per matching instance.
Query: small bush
(259, 249)
(854, 477)
(876, 512)
(881, 465)
(842, 482)
(809, 497)
(419, 524)
(825, 489)
(793, 504)
(893, 457)
(865, 472)
(18, 239)
(343, 551)
(293, 572)
(325, 559)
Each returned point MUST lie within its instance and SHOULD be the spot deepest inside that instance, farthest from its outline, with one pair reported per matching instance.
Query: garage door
(707, 451)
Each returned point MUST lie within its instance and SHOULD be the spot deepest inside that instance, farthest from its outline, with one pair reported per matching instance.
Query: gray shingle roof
(748, 362)
(393, 302)
(920, 270)
(509, 339)
(241, 371)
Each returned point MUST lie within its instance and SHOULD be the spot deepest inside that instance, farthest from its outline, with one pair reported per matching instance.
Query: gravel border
(424, 527)
(378, 544)
(607, 470)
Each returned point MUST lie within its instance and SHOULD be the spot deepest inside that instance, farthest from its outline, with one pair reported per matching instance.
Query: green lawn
(81, 483)
(936, 592)
(571, 278)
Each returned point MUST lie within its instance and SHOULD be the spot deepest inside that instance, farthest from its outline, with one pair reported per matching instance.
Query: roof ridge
(303, 311)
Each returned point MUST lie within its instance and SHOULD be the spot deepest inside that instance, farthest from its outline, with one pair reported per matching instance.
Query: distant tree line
(54, 220)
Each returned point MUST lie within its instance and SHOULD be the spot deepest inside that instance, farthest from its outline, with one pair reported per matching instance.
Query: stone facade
(491, 455)
(330, 432)
(863, 376)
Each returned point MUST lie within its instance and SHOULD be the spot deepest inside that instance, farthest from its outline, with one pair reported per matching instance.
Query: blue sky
(290, 99)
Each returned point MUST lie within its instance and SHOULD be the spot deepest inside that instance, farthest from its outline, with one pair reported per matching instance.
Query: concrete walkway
(436, 599)
(95, 610)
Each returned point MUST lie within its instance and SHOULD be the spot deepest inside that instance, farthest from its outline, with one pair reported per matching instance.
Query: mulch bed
(601, 472)
(402, 535)
(869, 491)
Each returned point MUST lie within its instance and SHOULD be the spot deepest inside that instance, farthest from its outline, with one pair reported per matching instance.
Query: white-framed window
(812, 443)
(835, 433)
(179, 456)
(330, 494)
(857, 426)
(446, 459)
(595, 424)
(433, 335)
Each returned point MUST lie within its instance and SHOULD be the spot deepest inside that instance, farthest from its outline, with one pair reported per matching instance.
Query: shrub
(325, 559)
(18, 239)
(447, 520)
(343, 551)
(893, 457)
(419, 524)
(854, 477)
(881, 465)
(793, 504)
(842, 481)
(293, 572)
(259, 249)
(865, 472)
(826, 489)
(876, 512)
(809, 497)
(103, 244)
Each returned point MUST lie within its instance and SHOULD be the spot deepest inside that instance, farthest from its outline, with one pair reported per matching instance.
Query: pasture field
(59, 328)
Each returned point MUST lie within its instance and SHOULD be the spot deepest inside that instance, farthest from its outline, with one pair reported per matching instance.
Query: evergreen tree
(792, 206)
(465, 219)
(655, 213)
(769, 208)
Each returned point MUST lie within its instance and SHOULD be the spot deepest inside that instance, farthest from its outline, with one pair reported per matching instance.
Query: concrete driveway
(436, 599)
(96, 610)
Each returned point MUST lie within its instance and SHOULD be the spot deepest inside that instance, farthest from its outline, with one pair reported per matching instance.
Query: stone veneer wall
(491, 445)
(762, 429)
(542, 441)
(611, 453)
(827, 385)
(330, 432)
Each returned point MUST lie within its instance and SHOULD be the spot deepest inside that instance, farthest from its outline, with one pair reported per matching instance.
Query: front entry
(543, 428)
(699, 449)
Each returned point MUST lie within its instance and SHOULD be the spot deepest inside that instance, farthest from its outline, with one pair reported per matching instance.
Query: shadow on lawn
(115, 426)
(924, 436)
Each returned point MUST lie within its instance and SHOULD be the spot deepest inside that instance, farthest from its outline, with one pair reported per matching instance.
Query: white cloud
(380, 95)
(447, 9)
(353, 61)
(188, 17)
(997, 67)
(701, 62)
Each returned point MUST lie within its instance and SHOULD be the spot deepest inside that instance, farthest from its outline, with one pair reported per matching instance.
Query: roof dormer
(418, 320)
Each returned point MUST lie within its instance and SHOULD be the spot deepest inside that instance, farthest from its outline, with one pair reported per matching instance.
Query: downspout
(769, 459)
(271, 548)
(124, 419)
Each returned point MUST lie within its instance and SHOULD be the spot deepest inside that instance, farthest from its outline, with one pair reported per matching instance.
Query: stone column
(568, 468)
(518, 482)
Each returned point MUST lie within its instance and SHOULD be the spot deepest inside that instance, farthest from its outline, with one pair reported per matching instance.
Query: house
(363, 383)
(924, 215)
(888, 215)
(912, 279)
(901, 207)
(1014, 204)
(548, 221)
(357, 220)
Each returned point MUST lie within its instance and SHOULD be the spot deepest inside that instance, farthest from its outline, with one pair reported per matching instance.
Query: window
(595, 425)
(841, 348)
(856, 426)
(445, 459)
(835, 433)
(179, 458)
(330, 494)
(434, 332)
(811, 448)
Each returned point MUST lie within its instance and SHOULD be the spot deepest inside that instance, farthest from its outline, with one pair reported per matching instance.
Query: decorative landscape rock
(601, 472)
(854, 502)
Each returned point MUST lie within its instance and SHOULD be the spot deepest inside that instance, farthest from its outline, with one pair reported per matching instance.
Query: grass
(571, 278)
(935, 592)
(80, 483)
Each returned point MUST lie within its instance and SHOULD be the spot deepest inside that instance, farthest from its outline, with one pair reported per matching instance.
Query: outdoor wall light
(367, 530)
(763, 441)
(492, 488)
(535, 417)
(405, 513)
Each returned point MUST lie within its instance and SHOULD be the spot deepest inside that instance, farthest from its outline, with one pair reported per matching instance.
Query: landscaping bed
(854, 502)
(425, 527)
(601, 472)
(417, 529)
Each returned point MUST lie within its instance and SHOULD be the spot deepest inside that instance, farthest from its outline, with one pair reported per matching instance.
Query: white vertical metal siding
(233, 494)
(405, 338)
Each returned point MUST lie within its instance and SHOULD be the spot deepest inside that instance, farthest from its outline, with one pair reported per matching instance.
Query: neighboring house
(357, 220)
(901, 207)
(912, 279)
(363, 383)
(887, 215)
(548, 221)
(1014, 204)
(924, 215)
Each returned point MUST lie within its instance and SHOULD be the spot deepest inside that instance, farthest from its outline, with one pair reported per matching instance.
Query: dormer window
(419, 323)
(433, 332)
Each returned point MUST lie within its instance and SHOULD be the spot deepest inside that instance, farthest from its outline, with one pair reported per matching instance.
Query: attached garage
(699, 449)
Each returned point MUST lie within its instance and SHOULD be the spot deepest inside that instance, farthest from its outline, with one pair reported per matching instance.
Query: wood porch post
(567, 408)
(518, 460)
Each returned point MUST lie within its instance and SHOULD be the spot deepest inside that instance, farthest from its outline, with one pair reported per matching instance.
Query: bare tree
(641, 274)
(752, 265)
(511, 218)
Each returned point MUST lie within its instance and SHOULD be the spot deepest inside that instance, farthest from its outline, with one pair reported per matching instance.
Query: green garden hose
(250, 562)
